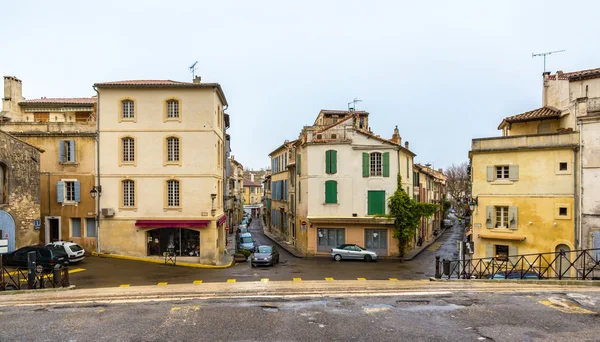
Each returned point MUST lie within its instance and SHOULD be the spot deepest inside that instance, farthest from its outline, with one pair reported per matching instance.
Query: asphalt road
(105, 272)
(436, 316)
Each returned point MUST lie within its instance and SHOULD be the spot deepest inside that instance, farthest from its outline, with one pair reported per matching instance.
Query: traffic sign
(303, 223)
(226, 227)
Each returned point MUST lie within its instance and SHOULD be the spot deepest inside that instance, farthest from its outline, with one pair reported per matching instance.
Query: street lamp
(473, 203)
(96, 190)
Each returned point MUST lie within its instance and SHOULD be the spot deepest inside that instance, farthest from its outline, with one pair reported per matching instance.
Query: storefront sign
(37, 223)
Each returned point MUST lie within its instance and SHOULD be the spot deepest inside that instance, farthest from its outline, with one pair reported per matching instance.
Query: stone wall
(22, 165)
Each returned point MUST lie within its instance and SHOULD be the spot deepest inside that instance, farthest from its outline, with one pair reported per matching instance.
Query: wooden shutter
(376, 202)
(365, 164)
(490, 174)
(489, 216)
(513, 217)
(327, 161)
(489, 251)
(512, 251)
(77, 192)
(386, 164)
(513, 172)
(298, 166)
(61, 151)
(330, 191)
(333, 161)
(72, 150)
(60, 192)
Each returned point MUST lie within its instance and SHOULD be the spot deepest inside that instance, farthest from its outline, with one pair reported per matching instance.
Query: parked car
(75, 252)
(246, 242)
(265, 256)
(46, 257)
(515, 275)
(448, 223)
(351, 251)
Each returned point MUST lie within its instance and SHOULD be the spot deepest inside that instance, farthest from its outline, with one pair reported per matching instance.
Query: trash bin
(446, 267)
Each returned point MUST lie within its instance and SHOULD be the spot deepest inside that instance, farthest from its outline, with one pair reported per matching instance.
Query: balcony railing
(593, 104)
(570, 139)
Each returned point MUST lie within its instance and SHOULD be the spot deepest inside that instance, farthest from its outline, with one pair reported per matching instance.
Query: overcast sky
(443, 71)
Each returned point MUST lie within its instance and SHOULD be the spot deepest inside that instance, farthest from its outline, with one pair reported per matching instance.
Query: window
(299, 191)
(90, 227)
(562, 211)
(376, 203)
(75, 227)
(361, 122)
(172, 193)
(66, 153)
(501, 217)
(127, 109)
(375, 164)
(68, 191)
(331, 161)
(329, 238)
(128, 193)
(128, 149)
(172, 109)
(3, 184)
(502, 172)
(501, 252)
(172, 150)
(331, 192)
(563, 166)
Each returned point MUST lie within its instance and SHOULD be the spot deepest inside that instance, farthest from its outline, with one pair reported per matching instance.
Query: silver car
(351, 251)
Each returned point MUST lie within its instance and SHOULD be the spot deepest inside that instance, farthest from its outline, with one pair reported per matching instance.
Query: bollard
(447, 267)
(65, 276)
(56, 275)
(438, 275)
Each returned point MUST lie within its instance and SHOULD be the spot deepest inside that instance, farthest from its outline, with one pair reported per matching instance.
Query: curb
(287, 248)
(156, 261)
(26, 291)
(431, 242)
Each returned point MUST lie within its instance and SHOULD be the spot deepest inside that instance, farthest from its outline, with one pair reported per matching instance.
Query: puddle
(270, 308)
(407, 302)
(373, 308)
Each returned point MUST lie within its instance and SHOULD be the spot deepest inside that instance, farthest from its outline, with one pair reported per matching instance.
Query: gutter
(580, 209)
(577, 240)
(98, 170)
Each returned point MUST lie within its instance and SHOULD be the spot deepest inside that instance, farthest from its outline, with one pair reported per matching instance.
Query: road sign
(37, 224)
(6, 236)
(303, 223)
(3, 246)
(226, 227)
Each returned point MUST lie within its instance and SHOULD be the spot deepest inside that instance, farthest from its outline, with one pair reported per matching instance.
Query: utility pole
(544, 54)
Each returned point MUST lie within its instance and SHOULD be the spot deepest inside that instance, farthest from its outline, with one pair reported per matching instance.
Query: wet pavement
(105, 272)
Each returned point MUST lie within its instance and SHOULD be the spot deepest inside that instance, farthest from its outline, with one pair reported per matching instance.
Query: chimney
(441, 170)
(559, 73)
(406, 145)
(13, 94)
(251, 177)
(197, 79)
(396, 136)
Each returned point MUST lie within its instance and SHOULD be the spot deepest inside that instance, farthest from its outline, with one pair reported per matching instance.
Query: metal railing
(18, 278)
(579, 264)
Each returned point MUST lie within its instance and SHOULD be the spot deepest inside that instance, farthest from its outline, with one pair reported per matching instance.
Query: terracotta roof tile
(71, 100)
(342, 112)
(142, 83)
(577, 74)
(249, 183)
(543, 113)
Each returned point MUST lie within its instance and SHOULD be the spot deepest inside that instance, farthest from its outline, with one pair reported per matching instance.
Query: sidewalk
(225, 260)
(416, 251)
(282, 244)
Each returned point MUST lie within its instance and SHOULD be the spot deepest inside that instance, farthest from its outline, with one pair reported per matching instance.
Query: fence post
(438, 275)
(560, 257)
(584, 253)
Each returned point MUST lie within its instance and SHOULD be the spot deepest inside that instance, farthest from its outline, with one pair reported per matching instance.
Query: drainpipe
(98, 170)
(577, 199)
(580, 208)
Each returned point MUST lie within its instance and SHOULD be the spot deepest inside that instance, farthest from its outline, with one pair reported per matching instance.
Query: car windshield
(265, 249)
(246, 240)
(75, 248)
(243, 230)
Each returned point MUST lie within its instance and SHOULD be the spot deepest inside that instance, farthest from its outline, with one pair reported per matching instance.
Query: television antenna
(193, 69)
(544, 54)
(352, 105)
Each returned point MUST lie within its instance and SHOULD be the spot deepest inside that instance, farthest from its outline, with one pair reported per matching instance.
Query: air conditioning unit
(108, 212)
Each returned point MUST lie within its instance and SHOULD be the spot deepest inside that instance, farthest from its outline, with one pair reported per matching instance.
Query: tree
(406, 214)
(458, 181)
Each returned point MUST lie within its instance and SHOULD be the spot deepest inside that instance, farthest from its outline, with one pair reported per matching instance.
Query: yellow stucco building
(525, 184)
(161, 157)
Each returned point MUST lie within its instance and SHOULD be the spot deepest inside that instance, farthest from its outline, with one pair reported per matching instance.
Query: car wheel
(368, 258)
(337, 257)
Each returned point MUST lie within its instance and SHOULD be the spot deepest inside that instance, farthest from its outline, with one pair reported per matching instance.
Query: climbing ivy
(406, 214)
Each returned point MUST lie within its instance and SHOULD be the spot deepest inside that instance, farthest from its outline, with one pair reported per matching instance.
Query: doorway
(376, 240)
(7, 229)
(562, 262)
(52, 226)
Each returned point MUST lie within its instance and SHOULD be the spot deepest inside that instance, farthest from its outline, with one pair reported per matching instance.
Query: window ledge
(69, 203)
(172, 164)
(128, 208)
(172, 120)
(69, 163)
(332, 204)
(127, 120)
(503, 182)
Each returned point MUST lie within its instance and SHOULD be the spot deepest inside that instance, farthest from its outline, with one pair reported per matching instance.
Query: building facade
(282, 192)
(429, 187)
(162, 168)
(236, 211)
(65, 128)
(19, 192)
(252, 200)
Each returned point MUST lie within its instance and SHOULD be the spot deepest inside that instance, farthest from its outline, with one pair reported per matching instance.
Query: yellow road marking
(175, 308)
(361, 279)
(197, 282)
(75, 270)
(124, 285)
(329, 279)
(264, 280)
(297, 279)
(162, 283)
(393, 279)
(100, 311)
(566, 307)
(231, 280)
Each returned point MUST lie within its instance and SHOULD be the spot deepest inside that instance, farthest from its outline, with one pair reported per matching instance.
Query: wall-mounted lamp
(473, 203)
(530, 223)
(555, 223)
(96, 191)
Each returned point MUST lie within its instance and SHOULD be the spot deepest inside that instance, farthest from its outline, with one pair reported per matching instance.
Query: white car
(75, 252)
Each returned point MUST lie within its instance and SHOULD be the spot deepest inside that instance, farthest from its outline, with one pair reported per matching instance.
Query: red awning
(222, 219)
(172, 223)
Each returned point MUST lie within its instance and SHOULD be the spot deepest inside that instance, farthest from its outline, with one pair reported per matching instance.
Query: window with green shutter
(365, 164)
(386, 164)
(331, 161)
(331, 191)
(376, 203)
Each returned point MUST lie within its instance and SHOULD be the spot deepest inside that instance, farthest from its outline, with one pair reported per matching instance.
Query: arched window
(128, 149)
(173, 149)
(128, 193)
(172, 109)
(172, 193)
(127, 109)
(3, 184)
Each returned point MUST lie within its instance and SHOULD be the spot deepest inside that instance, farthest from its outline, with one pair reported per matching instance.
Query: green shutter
(330, 191)
(327, 161)
(365, 164)
(298, 159)
(386, 164)
(333, 166)
(376, 203)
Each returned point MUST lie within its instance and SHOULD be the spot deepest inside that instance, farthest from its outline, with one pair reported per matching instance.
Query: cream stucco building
(162, 162)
